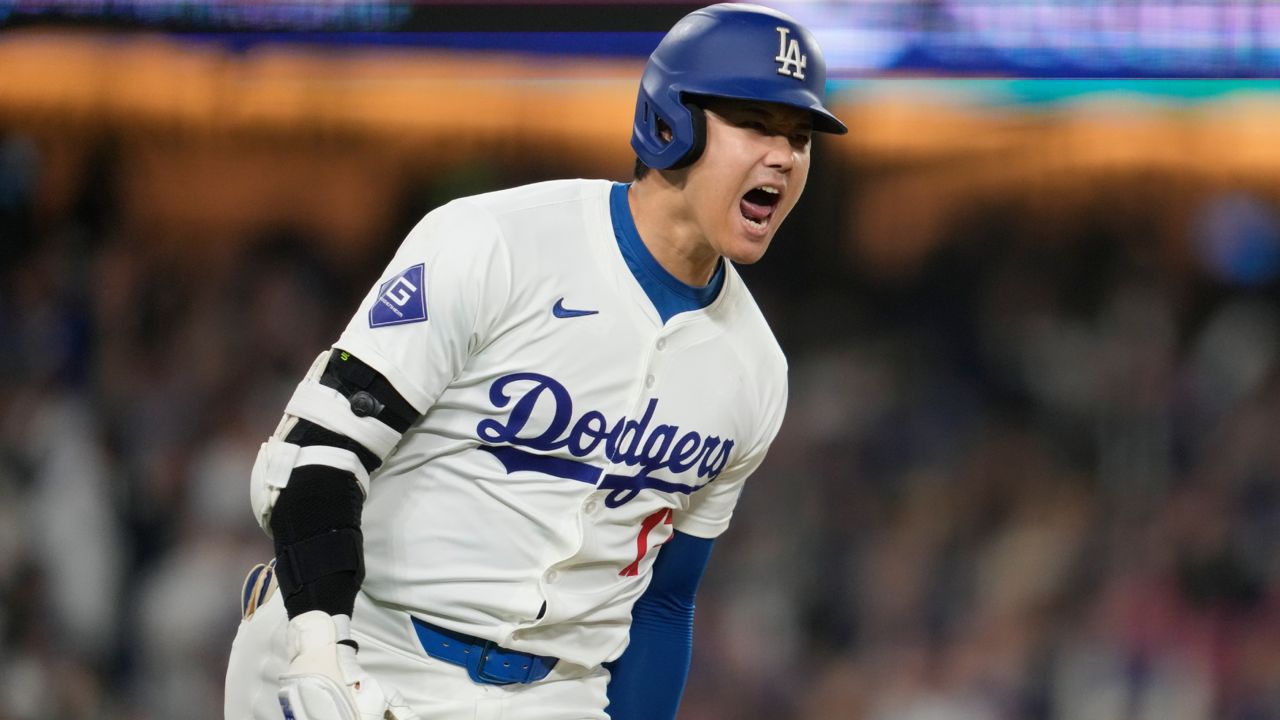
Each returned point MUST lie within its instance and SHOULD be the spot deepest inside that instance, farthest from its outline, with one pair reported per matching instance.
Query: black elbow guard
(319, 546)
(315, 519)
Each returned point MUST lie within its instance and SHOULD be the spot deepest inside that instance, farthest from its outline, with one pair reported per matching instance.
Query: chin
(747, 253)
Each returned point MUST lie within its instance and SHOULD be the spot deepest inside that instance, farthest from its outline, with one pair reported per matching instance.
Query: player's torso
(555, 463)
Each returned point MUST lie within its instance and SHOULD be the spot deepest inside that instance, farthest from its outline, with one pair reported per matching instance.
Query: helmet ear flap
(698, 137)
(670, 132)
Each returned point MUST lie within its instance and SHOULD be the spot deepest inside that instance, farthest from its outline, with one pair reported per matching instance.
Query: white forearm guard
(277, 458)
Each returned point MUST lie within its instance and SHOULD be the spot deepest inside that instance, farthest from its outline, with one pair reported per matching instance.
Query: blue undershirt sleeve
(649, 678)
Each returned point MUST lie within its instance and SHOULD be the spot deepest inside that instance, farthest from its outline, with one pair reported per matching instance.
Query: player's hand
(324, 681)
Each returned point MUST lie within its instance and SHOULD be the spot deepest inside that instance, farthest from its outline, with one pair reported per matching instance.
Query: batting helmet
(730, 50)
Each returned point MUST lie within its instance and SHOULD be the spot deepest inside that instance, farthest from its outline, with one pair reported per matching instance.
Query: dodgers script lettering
(626, 441)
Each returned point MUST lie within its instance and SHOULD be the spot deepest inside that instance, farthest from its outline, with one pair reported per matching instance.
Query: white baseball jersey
(567, 431)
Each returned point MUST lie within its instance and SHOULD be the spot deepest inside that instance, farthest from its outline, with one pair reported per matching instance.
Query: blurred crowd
(1016, 483)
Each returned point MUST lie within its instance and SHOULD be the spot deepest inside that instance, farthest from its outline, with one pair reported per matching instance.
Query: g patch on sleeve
(402, 299)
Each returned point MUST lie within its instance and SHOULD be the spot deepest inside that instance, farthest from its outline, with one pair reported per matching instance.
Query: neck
(668, 229)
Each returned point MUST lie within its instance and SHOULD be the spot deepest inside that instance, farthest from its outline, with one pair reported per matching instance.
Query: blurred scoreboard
(1048, 38)
(861, 38)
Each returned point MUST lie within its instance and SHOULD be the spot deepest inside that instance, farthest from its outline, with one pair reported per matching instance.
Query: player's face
(750, 175)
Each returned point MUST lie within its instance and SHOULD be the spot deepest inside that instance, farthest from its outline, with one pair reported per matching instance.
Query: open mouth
(758, 204)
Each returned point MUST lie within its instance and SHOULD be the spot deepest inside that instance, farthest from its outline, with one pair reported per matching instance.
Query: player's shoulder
(500, 216)
(554, 209)
(543, 197)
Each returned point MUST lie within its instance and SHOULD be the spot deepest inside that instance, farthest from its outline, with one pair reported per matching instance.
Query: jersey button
(648, 381)
(591, 507)
(662, 344)
(552, 576)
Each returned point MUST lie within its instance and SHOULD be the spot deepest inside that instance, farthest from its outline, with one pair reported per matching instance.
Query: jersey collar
(669, 295)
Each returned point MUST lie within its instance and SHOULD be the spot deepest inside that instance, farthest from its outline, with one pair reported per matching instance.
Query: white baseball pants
(435, 690)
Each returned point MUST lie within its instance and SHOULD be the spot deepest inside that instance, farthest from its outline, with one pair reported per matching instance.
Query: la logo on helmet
(792, 61)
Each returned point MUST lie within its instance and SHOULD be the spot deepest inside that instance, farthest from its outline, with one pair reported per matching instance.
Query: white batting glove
(324, 681)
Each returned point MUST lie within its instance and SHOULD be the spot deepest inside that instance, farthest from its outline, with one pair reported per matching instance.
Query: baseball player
(495, 495)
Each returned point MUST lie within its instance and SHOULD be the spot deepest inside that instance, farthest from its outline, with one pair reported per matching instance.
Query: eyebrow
(767, 114)
(774, 116)
(760, 112)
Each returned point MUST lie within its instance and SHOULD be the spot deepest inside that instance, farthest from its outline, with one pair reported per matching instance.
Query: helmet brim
(823, 119)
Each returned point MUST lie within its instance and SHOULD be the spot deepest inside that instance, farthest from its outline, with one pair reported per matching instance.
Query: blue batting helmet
(730, 50)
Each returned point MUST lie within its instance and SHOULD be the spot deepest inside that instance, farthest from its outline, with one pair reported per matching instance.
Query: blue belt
(486, 663)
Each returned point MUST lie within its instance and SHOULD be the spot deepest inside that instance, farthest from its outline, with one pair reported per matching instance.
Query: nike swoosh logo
(561, 311)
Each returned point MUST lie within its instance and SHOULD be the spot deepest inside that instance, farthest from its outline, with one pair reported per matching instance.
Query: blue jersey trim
(668, 294)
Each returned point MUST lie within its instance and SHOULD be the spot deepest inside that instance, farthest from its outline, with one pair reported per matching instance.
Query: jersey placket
(591, 507)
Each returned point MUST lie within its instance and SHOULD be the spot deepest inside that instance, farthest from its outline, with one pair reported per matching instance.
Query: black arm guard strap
(319, 546)
(307, 433)
(371, 394)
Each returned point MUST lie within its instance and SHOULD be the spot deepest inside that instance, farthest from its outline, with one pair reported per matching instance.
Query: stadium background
(1031, 466)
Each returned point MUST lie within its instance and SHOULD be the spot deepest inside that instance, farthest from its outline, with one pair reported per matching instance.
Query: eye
(801, 138)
